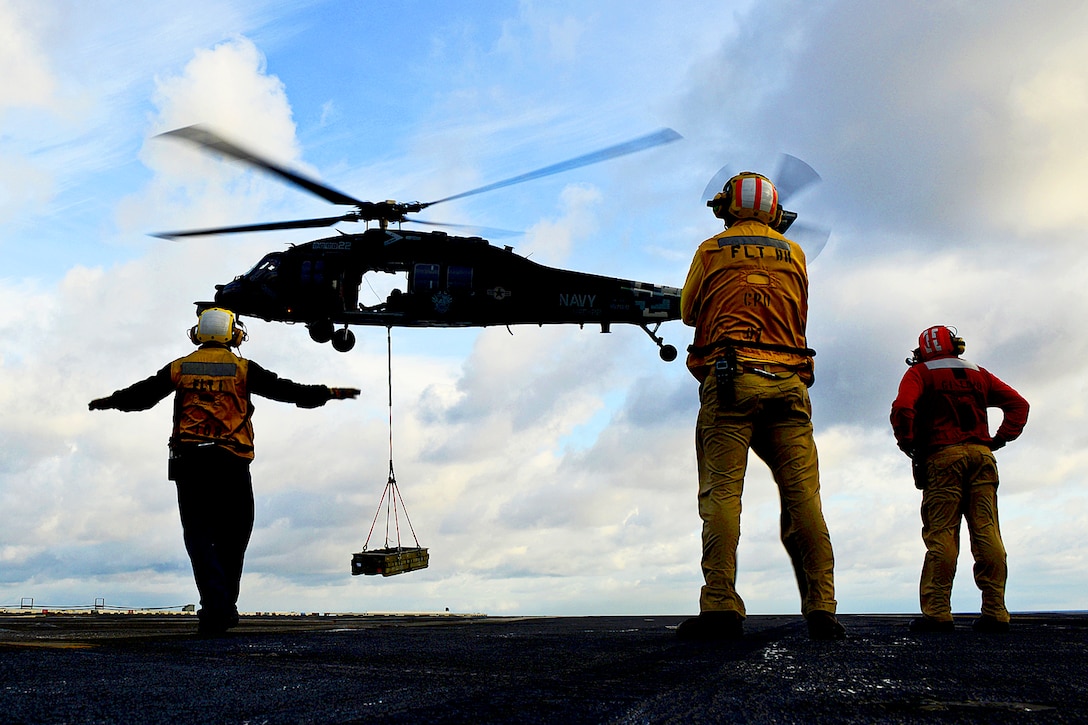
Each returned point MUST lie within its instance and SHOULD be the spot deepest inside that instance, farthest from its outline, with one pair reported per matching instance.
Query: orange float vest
(212, 403)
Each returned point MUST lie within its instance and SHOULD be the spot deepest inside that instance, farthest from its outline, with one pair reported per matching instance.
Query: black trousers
(215, 498)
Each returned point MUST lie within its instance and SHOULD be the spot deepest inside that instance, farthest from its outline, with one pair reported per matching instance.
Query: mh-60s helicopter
(451, 281)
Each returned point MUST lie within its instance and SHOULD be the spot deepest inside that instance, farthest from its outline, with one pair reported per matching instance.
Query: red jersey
(943, 402)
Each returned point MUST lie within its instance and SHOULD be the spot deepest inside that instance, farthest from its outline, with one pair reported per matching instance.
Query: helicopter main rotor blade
(296, 224)
(487, 231)
(657, 138)
(208, 139)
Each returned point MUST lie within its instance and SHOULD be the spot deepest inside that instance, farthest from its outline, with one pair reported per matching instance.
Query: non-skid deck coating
(92, 668)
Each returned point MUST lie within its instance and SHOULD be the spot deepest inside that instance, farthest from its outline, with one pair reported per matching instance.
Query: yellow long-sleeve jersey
(747, 289)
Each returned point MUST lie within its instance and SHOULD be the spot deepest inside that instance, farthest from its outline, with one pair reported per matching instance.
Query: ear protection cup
(240, 334)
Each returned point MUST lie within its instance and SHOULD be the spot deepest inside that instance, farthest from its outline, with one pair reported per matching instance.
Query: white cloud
(1047, 162)
(550, 241)
(226, 89)
(27, 80)
(551, 471)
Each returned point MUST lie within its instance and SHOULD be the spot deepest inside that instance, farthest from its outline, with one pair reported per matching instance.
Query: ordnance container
(389, 562)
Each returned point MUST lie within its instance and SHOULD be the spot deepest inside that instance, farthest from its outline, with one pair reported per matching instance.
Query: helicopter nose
(224, 293)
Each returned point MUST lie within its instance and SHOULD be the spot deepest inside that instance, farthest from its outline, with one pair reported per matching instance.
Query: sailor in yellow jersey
(211, 447)
(746, 295)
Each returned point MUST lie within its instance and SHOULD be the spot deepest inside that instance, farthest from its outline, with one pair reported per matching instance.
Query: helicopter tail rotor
(791, 177)
(717, 182)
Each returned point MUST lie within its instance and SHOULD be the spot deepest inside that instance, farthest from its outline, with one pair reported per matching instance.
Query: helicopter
(450, 281)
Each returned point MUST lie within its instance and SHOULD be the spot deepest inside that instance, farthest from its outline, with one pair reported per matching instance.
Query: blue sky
(552, 471)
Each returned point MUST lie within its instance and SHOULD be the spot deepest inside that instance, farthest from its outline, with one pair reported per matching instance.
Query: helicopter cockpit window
(458, 278)
(265, 269)
(425, 277)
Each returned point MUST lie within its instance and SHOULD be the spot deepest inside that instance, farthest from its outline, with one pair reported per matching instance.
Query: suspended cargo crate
(388, 562)
(393, 558)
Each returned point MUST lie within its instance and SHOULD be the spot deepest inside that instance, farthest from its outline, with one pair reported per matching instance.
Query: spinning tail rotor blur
(791, 177)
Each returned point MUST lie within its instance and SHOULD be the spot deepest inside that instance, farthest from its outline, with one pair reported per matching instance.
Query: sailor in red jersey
(939, 419)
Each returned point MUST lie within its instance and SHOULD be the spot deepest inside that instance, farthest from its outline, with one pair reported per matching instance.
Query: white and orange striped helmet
(748, 195)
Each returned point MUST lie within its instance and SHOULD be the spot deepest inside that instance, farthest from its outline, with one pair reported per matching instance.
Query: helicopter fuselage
(449, 281)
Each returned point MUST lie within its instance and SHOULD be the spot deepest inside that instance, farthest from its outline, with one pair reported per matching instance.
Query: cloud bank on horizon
(550, 471)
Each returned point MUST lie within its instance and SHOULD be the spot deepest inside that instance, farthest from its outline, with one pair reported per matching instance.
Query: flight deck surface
(132, 668)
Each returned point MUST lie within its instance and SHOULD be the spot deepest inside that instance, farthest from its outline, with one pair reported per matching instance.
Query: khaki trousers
(773, 418)
(961, 482)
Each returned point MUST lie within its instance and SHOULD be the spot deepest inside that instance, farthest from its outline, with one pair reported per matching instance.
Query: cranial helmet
(218, 325)
(748, 195)
(939, 341)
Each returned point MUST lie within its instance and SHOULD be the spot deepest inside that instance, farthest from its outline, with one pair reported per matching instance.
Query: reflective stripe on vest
(950, 363)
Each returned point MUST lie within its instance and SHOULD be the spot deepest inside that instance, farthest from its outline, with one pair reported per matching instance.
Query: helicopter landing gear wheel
(320, 332)
(343, 340)
(667, 352)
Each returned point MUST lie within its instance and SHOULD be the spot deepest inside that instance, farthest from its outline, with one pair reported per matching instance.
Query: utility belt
(187, 455)
(727, 368)
(730, 345)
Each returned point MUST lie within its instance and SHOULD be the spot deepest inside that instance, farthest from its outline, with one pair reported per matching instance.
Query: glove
(343, 393)
(99, 404)
(997, 442)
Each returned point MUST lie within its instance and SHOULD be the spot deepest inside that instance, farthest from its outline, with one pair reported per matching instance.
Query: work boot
(927, 625)
(212, 628)
(823, 625)
(987, 624)
(712, 626)
(216, 624)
